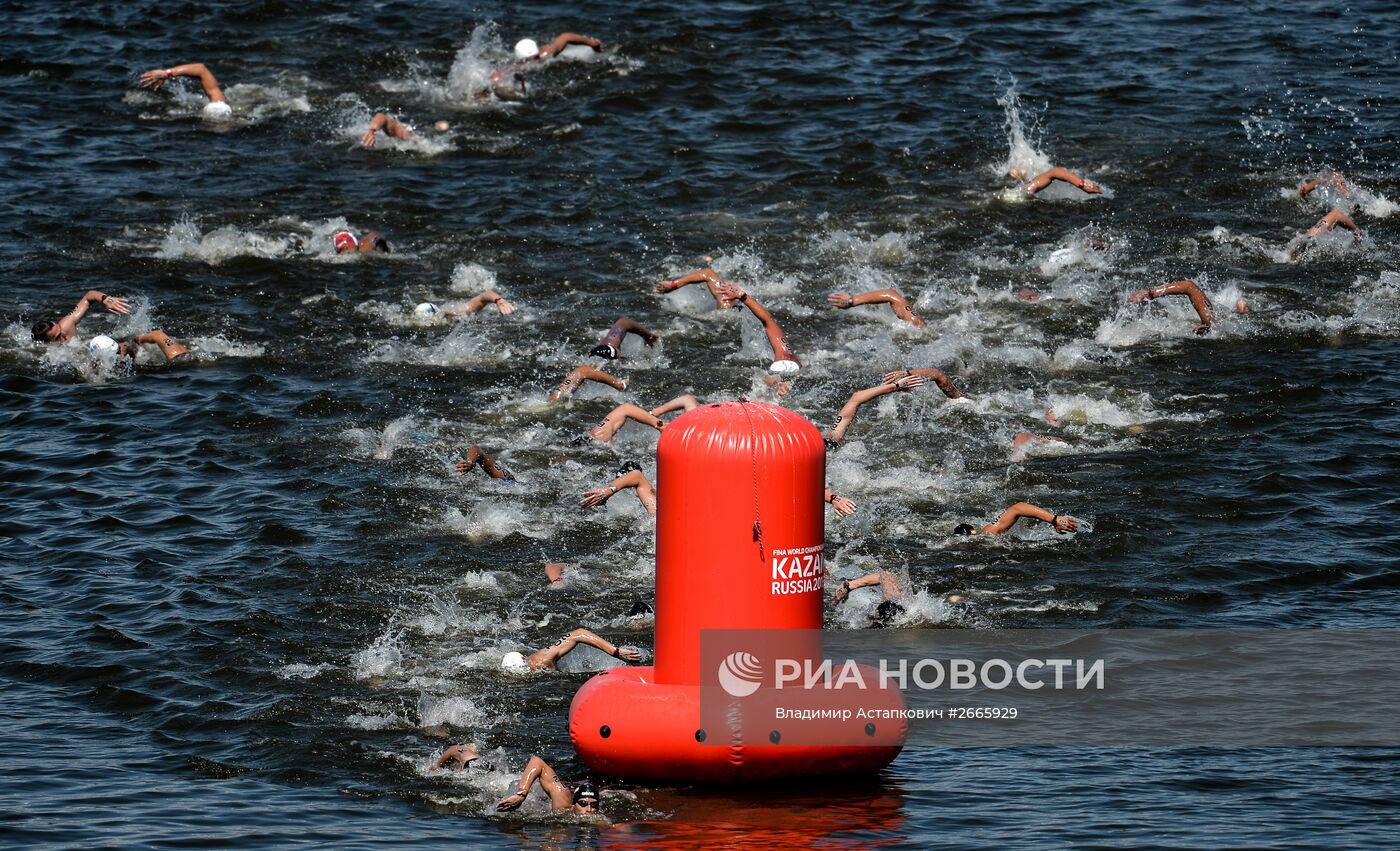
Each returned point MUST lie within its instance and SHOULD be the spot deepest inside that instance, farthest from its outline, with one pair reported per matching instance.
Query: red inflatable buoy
(739, 543)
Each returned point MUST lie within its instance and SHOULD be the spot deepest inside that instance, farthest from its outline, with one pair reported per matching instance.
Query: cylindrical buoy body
(739, 533)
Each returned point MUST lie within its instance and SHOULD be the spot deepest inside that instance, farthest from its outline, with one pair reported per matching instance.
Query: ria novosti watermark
(1114, 687)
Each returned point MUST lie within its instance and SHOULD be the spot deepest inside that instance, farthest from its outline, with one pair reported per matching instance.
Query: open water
(245, 599)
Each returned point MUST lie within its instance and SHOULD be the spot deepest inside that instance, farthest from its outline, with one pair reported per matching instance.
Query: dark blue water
(246, 600)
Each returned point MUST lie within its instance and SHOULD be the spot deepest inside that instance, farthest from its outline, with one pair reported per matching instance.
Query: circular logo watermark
(740, 674)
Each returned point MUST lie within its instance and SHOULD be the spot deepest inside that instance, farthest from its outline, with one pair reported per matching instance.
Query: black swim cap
(640, 607)
(965, 529)
(585, 790)
(602, 350)
(627, 467)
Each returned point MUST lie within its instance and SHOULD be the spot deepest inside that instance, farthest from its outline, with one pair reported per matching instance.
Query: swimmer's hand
(1065, 524)
(842, 592)
(368, 139)
(841, 301)
(730, 294)
(1203, 328)
(505, 307)
(111, 302)
(1090, 187)
(627, 654)
(905, 380)
(154, 78)
(1140, 296)
(597, 497)
(464, 467)
(459, 754)
(510, 802)
(844, 505)
(665, 287)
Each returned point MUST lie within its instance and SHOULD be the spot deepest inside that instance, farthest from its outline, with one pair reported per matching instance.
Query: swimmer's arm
(476, 455)
(1009, 517)
(848, 411)
(563, 40)
(459, 754)
(646, 494)
(581, 373)
(164, 342)
(1337, 217)
(387, 123)
(476, 303)
(844, 506)
(627, 326)
(685, 402)
(1310, 186)
(937, 376)
(537, 769)
(898, 303)
(156, 77)
(583, 636)
(776, 338)
(706, 275)
(1045, 178)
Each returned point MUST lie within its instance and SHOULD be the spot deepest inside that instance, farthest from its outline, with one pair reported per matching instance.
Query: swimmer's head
(964, 529)
(427, 308)
(626, 467)
(102, 344)
(345, 241)
(586, 797)
(441, 126)
(514, 663)
(218, 110)
(603, 350)
(46, 331)
(526, 49)
(1241, 306)
(784, 366)
(640, 608)
(1017, 173)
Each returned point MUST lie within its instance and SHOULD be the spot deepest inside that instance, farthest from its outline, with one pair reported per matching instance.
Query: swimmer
(218, 106)
(706, 276)
(628, 476)
(476, 303)
(63, 330)
(605, 431)
(1060, 522)
(937, 376)
(844, 506)
(393, 127)
(783, 358)
(580, 374)
(897, 303)
(346, 242)
(1187, 288)
(1326, 224)
(903, 384)
(1028, 294)
(1046, 178)
(554, 572)
(527, 50)
(476, 456)
(547, 659)
(1327, 179)
(458, 756)
(890, 588)
(580, 800)
(611, 345)
(1023, 441)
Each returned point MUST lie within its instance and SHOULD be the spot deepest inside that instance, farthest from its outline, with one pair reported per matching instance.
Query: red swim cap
(345, 241)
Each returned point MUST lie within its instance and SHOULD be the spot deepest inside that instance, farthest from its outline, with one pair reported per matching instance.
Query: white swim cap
(427, 308)
(526, 48)
(218, 110)
(785, 366)
(514, 663)
(102, 344)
